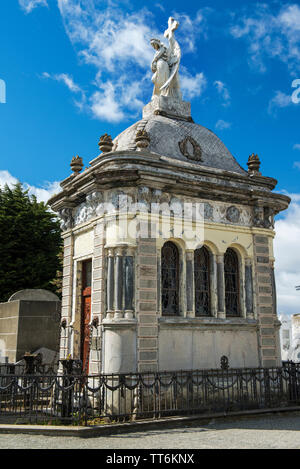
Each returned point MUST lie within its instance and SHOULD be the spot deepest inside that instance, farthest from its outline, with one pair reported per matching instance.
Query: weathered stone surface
(165, 135)
(34, 295)
(163, 105)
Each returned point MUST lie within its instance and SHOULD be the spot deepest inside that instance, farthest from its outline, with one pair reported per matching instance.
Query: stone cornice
(125, 169)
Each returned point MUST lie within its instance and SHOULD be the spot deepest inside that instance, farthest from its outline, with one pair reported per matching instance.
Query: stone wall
(270, 354)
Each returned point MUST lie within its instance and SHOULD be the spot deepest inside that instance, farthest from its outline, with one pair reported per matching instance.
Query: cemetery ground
(270, 431)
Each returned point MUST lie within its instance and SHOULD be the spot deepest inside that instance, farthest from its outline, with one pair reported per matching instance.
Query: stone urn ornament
(142, 139)
(253, 165)
(76, 164)
(105, 143)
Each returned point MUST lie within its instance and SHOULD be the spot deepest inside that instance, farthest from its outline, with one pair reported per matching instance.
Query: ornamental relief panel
(145, 199)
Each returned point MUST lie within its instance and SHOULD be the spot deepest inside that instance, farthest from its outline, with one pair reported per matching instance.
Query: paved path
(268, 432)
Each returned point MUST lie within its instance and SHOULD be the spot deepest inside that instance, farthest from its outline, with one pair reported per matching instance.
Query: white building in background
(290, 337)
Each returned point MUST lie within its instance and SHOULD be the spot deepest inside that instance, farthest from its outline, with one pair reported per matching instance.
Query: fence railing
(22, 368)
(89, 400)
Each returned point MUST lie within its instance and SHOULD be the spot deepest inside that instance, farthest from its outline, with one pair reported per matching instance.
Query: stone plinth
(168, 107)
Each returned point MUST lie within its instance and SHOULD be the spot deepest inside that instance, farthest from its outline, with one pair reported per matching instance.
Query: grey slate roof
(165, 135)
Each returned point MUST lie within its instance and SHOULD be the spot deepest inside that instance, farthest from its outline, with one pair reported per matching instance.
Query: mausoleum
(168, 245)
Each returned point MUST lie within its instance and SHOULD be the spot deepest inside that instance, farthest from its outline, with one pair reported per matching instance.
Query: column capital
(130, 251)
(119, 251)
(220, 258)
(189, 254)
(110, 252)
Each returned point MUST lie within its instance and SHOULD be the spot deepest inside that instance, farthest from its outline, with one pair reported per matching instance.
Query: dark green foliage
(30, 241)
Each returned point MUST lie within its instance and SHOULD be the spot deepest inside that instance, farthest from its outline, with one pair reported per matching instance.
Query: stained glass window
(231, 271)
(170, 279)
(202, 282)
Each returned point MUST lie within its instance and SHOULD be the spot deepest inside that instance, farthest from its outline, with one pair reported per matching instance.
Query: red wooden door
(86, 300)
(86, 314)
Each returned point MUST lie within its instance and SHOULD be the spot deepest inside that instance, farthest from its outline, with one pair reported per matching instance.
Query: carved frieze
(88, 209)
(145, 199)
(233, 214)
(208, 211)
(66, 218)
(263, 217)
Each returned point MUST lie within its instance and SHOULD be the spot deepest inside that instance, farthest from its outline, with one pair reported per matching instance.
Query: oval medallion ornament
(190, 149)
(208, 211)
(233, 214)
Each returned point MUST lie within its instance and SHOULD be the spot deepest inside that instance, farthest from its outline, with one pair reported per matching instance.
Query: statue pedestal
(168, 107)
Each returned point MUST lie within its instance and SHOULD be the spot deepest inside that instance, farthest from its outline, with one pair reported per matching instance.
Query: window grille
(231, 272)
(202, 282)
(170, 279)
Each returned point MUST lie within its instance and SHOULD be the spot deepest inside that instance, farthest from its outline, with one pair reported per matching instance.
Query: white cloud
(42, 194)
(160, 6)
(104, 105)
(223, 92)
(107, 37)
(280, 100)
(29, 5)
(296, 146)
(117, 44)
(297, 164)
(192, 28)
(66, 79)
(222, 125)
(270, 35)
(287, 256)
(70, 84)
(192, 86)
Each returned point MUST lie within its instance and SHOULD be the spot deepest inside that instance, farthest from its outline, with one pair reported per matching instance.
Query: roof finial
(142, 139)
(254, 165)
(105, 143)
(76, 164)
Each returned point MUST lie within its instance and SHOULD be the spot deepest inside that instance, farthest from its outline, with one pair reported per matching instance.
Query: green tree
(30, 243)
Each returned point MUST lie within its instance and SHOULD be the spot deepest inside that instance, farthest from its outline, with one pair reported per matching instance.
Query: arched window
(170, 279)
(231, 272)
(202, 282)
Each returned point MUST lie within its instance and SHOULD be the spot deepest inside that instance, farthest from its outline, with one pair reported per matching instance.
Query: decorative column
(119, 326)
(129, 282)
(98, 295)
(190, 283)
(221, 286)
(67, 290)
(213, 286)
(249, 288)
(110, 284)
(119, 283)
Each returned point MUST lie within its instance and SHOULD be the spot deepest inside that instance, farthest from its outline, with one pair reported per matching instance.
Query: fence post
(68, 381)
(30, 360)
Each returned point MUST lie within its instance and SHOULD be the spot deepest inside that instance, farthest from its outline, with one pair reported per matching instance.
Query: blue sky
(77, 69)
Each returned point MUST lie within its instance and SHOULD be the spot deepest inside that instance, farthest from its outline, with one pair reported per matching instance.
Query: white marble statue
(165, 64)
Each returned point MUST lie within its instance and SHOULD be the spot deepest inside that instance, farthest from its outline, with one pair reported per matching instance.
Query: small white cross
(172, 26)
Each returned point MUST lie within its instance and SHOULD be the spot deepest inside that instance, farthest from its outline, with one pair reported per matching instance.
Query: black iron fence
(22, 368)
(89, 400)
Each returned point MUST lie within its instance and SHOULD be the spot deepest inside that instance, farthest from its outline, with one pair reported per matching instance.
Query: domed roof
(181, 140)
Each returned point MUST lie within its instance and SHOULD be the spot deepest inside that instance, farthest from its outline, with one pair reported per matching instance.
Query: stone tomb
(168, 245)
(30, 320)
(222, 300)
